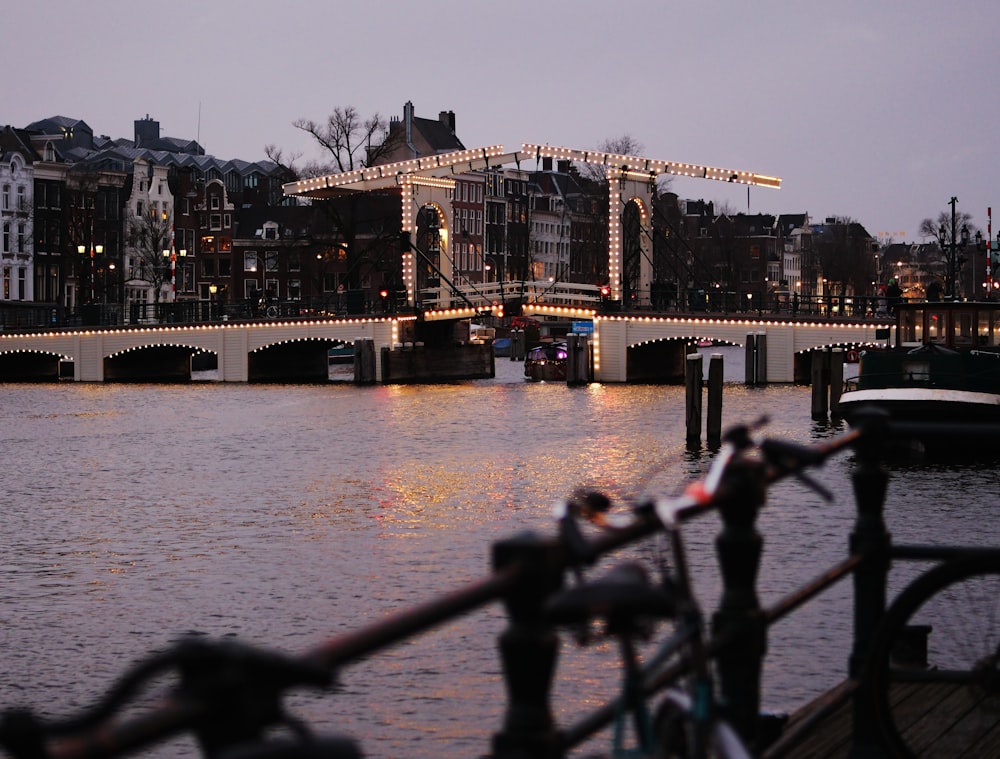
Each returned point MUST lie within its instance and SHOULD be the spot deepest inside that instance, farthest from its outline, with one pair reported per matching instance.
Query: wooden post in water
(577, 360)
(820, 378)
(750, 366)
(364, 361)
(836, 380)
(760, 369)
(756, 359)
(518, 348)
(714, 428)
(692, 386)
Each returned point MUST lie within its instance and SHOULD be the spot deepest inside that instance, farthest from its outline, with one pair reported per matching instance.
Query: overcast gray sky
(880, 110)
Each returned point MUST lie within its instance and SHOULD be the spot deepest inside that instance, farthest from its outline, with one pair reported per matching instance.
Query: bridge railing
(498, 293)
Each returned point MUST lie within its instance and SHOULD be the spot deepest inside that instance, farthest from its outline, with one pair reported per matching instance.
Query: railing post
(738, 617)
(528, 650)
(870, 539)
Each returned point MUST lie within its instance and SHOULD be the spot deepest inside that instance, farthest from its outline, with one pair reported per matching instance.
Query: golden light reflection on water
(284, 515)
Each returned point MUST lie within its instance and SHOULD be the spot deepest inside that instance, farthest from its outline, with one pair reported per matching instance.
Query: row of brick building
(89, 220)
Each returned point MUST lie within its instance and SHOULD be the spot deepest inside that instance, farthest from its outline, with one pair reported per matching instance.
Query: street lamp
(95, 250)
(171, 254)
(213, 289)
(952, 251)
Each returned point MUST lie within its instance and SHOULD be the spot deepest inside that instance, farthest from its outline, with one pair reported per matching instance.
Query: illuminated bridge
(626, 347)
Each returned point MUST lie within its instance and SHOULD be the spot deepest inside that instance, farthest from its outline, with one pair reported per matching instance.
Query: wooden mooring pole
(692, 385)
(827, 378)
(756, 359)
(693, 382)
(518, 344)
(364, 361)
(577, 360)
(714, 425)
(820, 380)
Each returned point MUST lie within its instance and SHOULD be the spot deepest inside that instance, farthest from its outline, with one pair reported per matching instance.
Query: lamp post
(213, 289)
(952, 251)
(171, 256)
(95, 250)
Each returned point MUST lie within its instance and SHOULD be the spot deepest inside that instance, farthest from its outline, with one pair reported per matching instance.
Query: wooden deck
(942, 720)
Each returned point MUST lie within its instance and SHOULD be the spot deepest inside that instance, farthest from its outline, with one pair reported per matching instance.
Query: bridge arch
(31, 365)
(300, 359)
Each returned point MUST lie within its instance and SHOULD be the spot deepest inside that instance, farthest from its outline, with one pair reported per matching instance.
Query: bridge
(244, 352)
(427, 184)
(626, 347)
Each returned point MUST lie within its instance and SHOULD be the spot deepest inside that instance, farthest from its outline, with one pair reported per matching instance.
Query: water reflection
(283, 515)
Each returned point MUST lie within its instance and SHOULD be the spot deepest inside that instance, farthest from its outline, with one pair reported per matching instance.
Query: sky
(877, 111)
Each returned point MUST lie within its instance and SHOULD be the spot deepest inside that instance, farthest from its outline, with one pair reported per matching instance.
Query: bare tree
(149, 236)
(361, 243)
(953, 231)
(941, 229)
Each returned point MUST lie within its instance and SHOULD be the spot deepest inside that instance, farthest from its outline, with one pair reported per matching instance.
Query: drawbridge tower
(427, 185)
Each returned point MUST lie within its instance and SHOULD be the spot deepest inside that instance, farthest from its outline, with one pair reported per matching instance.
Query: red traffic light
(605, 291)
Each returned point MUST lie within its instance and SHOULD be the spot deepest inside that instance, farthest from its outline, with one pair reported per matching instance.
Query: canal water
(135, 515)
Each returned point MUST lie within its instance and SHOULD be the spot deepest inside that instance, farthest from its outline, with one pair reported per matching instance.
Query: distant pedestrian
(795, 304)
(894, 294)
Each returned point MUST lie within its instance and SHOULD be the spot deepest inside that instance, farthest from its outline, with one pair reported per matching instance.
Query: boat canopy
(961, 325)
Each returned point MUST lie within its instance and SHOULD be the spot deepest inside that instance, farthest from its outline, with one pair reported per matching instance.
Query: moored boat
(546, 362)
(942, 372)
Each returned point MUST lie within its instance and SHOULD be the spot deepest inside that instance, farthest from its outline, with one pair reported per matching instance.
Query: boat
(942, 373)
(501, 347)
(341, 354)
(546, 362)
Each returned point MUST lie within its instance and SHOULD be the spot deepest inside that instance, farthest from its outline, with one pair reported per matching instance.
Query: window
(250, 260)
(215, 204)
(227, 220)
(138, 208)
(271, 288)
(294, 263)
(250, 289)
(22, 199)
(6, 197)
(215, 221)
(294, 289)
(225, 267)
(271, 260)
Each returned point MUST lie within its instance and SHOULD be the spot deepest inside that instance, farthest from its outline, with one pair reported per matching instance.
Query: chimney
(147, 131)
(448, 119)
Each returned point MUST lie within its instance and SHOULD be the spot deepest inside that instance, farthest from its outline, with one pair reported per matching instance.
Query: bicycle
(229, 695)
(689, 722)
(942, 632)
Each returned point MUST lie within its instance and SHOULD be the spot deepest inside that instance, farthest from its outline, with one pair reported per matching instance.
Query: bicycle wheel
(936, 688)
